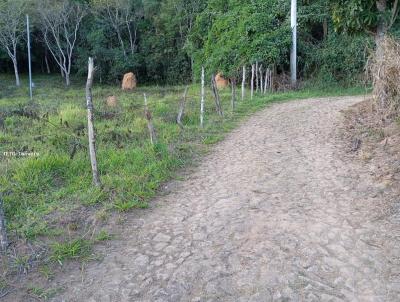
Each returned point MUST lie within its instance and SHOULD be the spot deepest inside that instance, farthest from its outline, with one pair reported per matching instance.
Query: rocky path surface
(276, 212)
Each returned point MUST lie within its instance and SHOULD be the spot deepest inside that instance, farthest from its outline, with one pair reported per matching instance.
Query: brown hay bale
(112, 101)
(221, 81)
(129, 81)
(384, 71)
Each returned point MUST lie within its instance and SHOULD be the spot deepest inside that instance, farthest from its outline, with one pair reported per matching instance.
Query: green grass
(42, 294)
(103, 235)
(71, 249)
(41, 191)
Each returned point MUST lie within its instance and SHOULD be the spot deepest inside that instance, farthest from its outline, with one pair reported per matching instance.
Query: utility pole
(293, 53)
(29, 56)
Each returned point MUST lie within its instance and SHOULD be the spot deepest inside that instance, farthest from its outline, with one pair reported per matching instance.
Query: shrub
(338, 59)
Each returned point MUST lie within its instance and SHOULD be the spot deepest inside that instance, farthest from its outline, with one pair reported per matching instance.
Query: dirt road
(276, 212)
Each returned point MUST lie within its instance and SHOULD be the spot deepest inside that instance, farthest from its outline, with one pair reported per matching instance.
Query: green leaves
(231, 33)
(359, 15)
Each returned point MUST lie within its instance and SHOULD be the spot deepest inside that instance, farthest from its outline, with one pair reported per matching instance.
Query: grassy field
(48, 196)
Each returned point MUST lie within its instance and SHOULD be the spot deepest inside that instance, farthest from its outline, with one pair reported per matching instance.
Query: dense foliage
(168, 41)
(229, 34)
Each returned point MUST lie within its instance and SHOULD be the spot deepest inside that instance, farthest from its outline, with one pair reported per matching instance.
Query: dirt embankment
(375, 142)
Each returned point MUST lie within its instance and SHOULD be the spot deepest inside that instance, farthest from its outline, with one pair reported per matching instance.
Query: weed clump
(383, 69)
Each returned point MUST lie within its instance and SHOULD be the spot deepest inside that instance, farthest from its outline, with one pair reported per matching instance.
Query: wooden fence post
(233, 99)
(243, 81)
(149, 118)
(266, 80)
(182, 108)
(3, 230)
(202, 98)
(90, 118)
(252, 81)
(256, 76)
(216, 96)
(272, 77)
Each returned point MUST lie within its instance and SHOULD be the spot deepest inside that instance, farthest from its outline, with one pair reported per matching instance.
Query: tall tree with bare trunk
(60, 22)
(123, 17)
(12, 29)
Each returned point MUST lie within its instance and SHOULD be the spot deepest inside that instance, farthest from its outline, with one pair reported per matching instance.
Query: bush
(338, 59)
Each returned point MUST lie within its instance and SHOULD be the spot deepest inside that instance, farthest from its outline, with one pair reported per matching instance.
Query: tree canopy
(168, 41)
(229, 34)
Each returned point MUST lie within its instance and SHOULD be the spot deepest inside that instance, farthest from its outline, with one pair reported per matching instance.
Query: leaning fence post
(3, 230)
(266, 81)
(149, 118)
(202, 98)
(182, 108)
(90, 118)
(243, 81)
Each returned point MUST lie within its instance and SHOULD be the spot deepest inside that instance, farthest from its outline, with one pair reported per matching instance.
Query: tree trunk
(216, 96)
(252, 81)
(325, 28)
(17, 81)
(67, 80)
(233, 98)
(46, 60)
(273, 72)
(243, 82)
(261, 79)
(90, 118)
(192, 68)
(149, 118)
(381, 28)
(182, 108)
(3, 231)
(202, 98)
(61, 69)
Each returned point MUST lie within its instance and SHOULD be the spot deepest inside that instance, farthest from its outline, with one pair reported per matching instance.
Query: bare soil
(286, 208)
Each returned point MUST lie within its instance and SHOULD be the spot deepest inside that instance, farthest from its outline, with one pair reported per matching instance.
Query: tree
(373, 16)
(170, 23)
(60, 22)
(12, 29)
(233, 33)
(123, 17)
